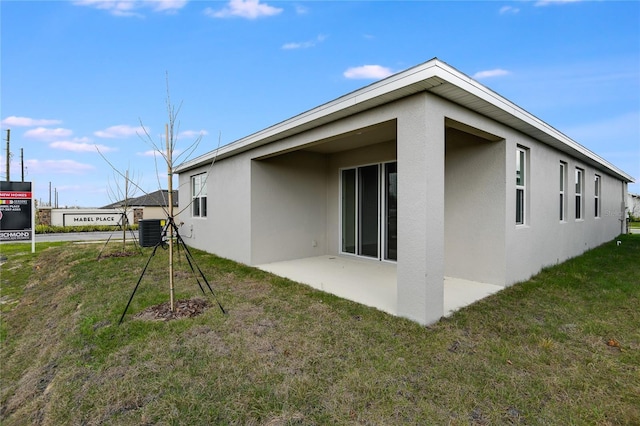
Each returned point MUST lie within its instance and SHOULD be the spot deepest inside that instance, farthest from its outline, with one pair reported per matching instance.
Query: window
(369, 211)
(563, 185)
(579, 186)
(521, 179)
(596, 196)
(199, 195)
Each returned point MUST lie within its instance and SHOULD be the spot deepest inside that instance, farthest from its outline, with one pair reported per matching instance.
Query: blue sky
(76, 75)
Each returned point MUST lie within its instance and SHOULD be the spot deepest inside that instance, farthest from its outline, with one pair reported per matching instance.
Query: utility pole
(8, 155)
(22, 162)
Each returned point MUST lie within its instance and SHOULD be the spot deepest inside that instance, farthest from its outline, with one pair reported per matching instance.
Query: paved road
(83, 236)
(79, 236)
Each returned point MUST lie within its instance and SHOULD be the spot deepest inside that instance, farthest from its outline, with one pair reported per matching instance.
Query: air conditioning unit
(150, 232)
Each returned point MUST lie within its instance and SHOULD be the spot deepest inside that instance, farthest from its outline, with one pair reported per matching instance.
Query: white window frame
(199, 195)
(563, 191)
(597, 191)
(579, 191)
(522, 155)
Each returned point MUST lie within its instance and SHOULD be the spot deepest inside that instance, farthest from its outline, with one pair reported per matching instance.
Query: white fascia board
(423, 77)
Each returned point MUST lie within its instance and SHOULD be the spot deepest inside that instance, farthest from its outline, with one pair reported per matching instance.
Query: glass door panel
(349, 211)
(391, 211)
(368, 192)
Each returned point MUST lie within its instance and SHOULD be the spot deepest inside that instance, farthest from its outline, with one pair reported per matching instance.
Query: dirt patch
(187, 308)
(118, 254)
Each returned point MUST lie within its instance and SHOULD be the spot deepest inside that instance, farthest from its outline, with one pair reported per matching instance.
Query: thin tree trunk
(170, 188)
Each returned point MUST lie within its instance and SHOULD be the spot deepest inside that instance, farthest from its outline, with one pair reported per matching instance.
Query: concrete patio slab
(370, 282)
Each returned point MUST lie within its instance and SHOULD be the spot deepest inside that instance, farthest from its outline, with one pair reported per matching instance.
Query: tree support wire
(170, 225)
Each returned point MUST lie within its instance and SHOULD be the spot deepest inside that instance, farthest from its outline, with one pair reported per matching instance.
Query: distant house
(633, 205)
(386, 175)
(148, 206)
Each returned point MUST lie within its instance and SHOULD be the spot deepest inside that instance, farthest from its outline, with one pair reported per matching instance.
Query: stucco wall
(474, 208)
(157, 213)
(226, 231)
(420, 269)
(545, 240)
(288, 207)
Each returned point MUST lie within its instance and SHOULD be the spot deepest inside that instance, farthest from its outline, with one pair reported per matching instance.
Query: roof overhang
(433, 76)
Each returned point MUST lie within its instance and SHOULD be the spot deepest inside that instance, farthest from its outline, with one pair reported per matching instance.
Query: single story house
(148, 206)
(426, 170)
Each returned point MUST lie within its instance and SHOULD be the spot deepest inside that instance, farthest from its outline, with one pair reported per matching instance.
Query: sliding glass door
(368, 211)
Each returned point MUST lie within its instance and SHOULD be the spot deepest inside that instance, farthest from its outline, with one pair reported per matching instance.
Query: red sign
(5, 194)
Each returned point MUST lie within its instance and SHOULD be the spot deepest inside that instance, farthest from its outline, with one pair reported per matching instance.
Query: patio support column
(420, 267)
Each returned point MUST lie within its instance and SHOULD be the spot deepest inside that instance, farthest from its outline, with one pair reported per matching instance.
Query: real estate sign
(16, 211)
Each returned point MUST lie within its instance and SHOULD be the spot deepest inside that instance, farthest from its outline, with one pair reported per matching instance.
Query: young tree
(124, 188)
(168, 152)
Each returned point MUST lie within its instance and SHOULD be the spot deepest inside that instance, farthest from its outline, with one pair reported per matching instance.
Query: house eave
(433, 76)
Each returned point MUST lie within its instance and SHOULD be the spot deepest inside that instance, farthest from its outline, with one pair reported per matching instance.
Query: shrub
(49, 229)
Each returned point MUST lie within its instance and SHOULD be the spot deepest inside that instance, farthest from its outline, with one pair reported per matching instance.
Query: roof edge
(414, 76)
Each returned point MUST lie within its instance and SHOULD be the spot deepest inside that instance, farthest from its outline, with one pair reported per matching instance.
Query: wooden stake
(170, 187)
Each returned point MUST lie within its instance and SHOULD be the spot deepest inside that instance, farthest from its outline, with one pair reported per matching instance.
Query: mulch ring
(187, 308)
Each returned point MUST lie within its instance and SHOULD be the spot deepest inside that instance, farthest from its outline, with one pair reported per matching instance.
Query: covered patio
(371, 282)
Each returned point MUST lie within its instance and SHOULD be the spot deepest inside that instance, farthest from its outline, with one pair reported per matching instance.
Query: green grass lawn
(560, 349)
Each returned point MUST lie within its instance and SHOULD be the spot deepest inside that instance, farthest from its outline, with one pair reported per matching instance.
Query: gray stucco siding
(545, 240)
(226, 229)
(288, 207)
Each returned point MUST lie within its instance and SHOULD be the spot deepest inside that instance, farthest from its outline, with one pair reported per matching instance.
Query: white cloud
(154, 153)
(301, 10)
(150, 153)
(509, 10)
(57, 166)
(250, 9)
(28, 122)
(169, 5)
(498, 72)
(192, 133)
(44, 133)
(368, 72)
(114, 7)
(80, 145)
(305, 44)
(551, 2)
(119, 131)
(130, 7)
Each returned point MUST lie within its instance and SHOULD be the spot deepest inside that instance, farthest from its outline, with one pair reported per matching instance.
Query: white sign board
(84, 219)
